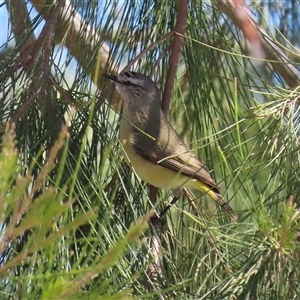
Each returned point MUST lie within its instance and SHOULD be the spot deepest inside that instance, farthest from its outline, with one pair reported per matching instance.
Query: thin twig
(146, 50)
(157, 62)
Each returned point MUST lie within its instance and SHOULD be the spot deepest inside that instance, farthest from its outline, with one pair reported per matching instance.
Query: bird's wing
(160, 150)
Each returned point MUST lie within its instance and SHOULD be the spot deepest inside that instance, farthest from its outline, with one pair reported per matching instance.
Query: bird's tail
(227, 208)
(218, 198)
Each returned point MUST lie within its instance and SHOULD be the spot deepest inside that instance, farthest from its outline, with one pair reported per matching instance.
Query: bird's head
(135, 87)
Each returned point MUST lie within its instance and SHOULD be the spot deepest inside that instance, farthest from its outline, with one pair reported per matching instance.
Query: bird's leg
(177, 194)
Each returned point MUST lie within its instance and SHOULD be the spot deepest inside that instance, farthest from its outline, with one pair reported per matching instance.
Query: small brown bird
(153, 147)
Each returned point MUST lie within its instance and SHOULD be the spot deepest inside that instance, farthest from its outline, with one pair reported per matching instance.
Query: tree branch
(182, 12)
(83, 41)
(273, 52)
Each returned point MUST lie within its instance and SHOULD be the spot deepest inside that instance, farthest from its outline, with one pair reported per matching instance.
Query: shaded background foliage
(68, 198)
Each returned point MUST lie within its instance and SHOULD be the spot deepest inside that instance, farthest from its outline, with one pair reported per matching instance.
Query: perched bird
(153, 147)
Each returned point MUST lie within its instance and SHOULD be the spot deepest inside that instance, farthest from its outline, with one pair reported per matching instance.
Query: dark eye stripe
(128, 83)
(129, 74)
(126, 79)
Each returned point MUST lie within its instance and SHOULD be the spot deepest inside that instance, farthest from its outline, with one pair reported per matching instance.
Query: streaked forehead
(133, 78)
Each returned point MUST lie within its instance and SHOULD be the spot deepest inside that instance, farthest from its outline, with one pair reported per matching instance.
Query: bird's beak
(111, 77)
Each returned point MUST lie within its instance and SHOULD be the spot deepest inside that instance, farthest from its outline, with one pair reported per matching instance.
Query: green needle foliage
(38, 233)
(74, 215)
